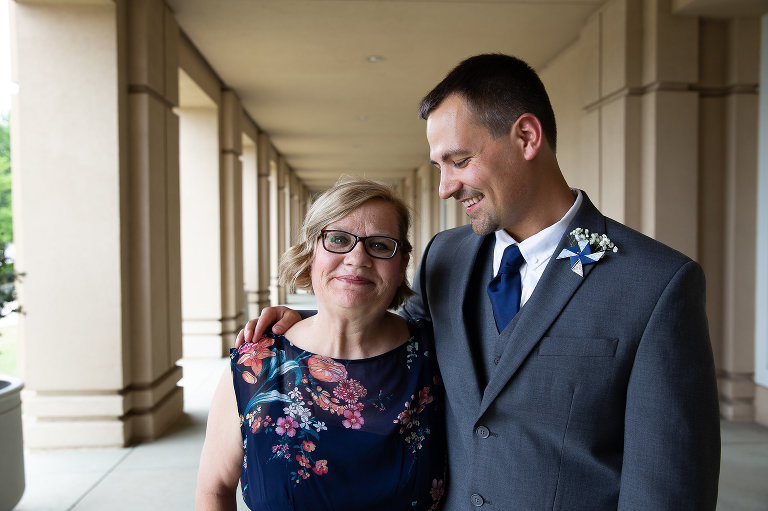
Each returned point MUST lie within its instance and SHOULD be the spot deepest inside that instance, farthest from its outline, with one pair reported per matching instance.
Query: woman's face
(355, 279)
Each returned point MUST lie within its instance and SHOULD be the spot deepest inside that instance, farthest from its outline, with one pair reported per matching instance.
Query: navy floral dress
(329, 434)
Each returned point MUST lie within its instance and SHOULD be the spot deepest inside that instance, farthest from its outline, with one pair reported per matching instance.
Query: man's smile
(468, 203)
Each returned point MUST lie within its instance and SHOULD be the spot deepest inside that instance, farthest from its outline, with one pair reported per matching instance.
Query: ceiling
(301, 69)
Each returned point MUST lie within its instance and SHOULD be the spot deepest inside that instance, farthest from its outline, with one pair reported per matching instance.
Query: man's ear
(528, 134)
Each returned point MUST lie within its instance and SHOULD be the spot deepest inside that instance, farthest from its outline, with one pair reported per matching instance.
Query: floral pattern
(302, 414)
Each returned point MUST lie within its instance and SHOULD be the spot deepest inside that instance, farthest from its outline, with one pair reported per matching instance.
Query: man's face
(480, 171)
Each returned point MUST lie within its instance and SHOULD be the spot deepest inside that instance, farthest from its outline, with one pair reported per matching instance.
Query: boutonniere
(587, 248)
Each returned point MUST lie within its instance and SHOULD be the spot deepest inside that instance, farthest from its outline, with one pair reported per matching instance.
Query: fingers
(249, 328)
(246, 334)
(256, 328)
(288, 318)
(260, 325)
(280, 327)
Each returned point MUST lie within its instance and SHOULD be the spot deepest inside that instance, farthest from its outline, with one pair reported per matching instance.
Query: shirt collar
(537, 249)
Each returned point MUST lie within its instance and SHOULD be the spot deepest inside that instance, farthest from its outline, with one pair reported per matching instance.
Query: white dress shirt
(536, 250)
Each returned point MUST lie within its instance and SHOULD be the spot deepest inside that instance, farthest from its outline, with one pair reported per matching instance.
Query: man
(600, 393)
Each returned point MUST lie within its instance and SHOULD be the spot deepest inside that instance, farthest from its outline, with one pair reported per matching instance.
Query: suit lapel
(553, 292)
(454, 351)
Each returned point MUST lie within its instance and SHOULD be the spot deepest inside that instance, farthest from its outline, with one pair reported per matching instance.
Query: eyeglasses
(341, 242)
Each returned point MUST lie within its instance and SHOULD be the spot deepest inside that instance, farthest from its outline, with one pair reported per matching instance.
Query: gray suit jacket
(604, 395)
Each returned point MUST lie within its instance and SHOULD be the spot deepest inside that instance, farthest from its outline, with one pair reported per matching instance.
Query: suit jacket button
(482, 432)
(477, 500)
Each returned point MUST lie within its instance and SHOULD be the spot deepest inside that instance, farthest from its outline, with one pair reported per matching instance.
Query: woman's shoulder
(421, 345)
(420, 329)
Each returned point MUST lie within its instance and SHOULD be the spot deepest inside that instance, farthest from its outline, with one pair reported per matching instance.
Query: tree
(6, 216)
(8, 276)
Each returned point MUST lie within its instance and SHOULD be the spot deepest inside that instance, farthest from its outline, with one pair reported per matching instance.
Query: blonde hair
(332, 205)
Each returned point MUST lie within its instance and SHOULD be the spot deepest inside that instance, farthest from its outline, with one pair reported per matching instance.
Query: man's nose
(448, 184)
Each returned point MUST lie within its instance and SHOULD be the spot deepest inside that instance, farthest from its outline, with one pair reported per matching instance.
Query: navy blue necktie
(504, 290)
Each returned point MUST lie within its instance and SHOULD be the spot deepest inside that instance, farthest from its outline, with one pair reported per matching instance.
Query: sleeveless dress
(340, 435)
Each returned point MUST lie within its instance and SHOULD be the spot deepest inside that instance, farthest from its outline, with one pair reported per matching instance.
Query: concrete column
(264, 211)
(304, 200)
(727, 198)
(610, 129)
(408, 195)
(250, 199)
(211, 191)
(712, 150)
(281, 226)
(288, 205)
(231, 204)
(296, 215)
(429, 202)
(670, 118)
(201, 232)
(739, 228)
(276, 231)
(638, 126)
(104, 304)
(155, 251)
(213, 290)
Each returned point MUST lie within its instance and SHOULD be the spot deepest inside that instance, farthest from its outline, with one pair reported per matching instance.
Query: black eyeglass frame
(358, 239)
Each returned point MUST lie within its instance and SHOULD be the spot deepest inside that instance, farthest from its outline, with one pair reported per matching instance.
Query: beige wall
(666, 134)
(662, 133)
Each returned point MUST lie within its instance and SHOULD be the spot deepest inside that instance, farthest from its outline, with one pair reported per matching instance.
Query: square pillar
(95, 176)
(251, 226)
(231, 204)
(264, 223)
(201, 234)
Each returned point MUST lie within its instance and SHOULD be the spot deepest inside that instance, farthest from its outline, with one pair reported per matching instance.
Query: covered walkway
(164, 153)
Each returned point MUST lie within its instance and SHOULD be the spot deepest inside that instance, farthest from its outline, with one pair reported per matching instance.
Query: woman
(343, 411)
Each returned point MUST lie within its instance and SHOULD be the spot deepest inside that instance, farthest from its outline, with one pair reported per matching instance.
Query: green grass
(8, 350)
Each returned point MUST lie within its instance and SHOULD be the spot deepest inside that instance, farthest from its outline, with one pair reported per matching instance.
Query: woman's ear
(528, 134)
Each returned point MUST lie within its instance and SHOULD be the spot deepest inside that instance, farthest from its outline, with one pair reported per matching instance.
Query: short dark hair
(498, 90)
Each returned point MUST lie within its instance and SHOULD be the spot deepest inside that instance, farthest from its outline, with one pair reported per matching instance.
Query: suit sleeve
(417, 306)
(672, 427)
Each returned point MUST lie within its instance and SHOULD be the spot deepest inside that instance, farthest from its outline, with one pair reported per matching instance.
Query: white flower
(295, 394)
(320, 426)
(296, 410)
(598, 242)
(305, 422)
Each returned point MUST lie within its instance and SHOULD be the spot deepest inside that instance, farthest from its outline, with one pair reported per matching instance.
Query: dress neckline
(347, 360)
(412, 335)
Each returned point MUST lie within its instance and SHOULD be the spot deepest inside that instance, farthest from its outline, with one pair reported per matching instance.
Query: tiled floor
(743, 468)
(161, 475)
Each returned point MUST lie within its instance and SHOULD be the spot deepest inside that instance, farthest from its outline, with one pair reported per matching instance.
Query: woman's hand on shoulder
(281, 318)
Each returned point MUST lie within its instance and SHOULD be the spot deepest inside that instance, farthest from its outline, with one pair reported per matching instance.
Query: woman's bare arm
(222, 458)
